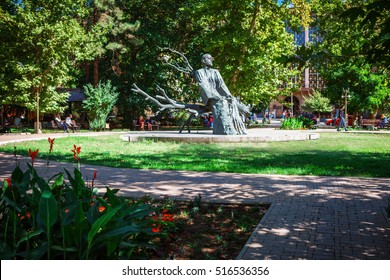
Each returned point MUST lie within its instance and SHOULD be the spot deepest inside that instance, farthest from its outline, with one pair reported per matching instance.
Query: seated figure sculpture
(227, 111)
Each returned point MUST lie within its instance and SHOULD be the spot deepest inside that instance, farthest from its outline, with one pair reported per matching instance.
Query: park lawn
(334, 154)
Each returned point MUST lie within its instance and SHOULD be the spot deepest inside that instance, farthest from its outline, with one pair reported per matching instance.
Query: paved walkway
(310, 217)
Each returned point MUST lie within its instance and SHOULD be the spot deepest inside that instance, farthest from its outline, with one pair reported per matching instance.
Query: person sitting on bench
(60, 123)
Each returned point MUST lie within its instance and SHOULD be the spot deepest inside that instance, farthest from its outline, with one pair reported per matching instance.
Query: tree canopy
(40, 46)
(52, 43)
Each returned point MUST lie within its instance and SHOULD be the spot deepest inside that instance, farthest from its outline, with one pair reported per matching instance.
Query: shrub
(299, 122)
(99, 103)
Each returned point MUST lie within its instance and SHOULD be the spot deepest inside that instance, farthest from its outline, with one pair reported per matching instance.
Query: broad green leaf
(59, 181)
(48, 210)
(102, 221)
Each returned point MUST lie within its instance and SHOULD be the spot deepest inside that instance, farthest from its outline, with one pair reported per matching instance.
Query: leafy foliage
(41, 42)
(339, 58)
(247, 38)
(99, 103)
(294, 123)
(373, 19)
(53, 220)
(316, 103)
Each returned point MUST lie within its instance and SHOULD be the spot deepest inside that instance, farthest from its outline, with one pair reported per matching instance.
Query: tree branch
(187, 69)
(169, 103)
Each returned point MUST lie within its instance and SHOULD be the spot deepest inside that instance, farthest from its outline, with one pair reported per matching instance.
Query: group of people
(67, 124)
(208, 120)
(148, 121)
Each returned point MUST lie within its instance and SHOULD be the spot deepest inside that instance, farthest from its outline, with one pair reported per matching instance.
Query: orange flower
(51, 141)
(33, 154)
(28, 215)
(76, 151)
(101, 209)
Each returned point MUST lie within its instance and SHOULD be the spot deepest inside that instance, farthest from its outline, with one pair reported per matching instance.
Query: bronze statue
(229, 114)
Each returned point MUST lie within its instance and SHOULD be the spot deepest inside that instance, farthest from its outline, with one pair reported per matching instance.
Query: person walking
(339, 114)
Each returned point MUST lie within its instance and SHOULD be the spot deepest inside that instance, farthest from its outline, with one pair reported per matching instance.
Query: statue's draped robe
(216, 95)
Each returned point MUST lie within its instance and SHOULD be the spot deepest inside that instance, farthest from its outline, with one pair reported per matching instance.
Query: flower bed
(202, 231)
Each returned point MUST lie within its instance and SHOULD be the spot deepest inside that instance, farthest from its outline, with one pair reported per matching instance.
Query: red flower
(8, 180)
(33, 155)
(157, 229)
(94, 177)
(28, 215)
(76, 151)
(51, 141)
(167, 218)
(66, 210)
(101, 209)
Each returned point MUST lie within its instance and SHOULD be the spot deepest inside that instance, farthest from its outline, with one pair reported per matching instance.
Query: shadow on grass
(318, 162)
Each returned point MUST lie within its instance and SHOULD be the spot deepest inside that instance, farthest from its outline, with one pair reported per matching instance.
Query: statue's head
(207, 60)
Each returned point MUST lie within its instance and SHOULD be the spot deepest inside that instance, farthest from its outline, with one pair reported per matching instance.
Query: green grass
(334, 154)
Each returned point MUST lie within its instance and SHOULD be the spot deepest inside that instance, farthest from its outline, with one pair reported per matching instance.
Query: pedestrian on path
(339, 114)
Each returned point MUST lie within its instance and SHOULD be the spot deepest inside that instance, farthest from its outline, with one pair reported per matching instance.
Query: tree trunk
(95, 72)
(87, 72)
(96, 60)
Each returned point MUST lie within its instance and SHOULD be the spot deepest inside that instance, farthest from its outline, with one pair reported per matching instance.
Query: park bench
(55, 127)
(76, 126)
(155, 126)
(370, 123)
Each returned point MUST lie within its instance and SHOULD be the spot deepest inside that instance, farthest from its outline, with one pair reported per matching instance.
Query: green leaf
(29, 236)
(17, 175)
(59, 181)
(101, 222)
(43, 185)
(48, 210)
(122, 231)
(68, 249)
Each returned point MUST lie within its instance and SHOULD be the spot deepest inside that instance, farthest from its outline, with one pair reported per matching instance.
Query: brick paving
(310, 217)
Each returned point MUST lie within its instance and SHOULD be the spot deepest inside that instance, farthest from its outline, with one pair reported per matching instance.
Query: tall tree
(111, 33)
(339, 58)
(40, 44)
(247, 38)
(373, 19)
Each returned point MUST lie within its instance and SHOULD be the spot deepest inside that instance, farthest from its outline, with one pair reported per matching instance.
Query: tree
(110, 35)
(98, 103)
(373, 19)
(315, 102)
(368, 90)
(247, 39)
(40, 44)
(339, 58)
